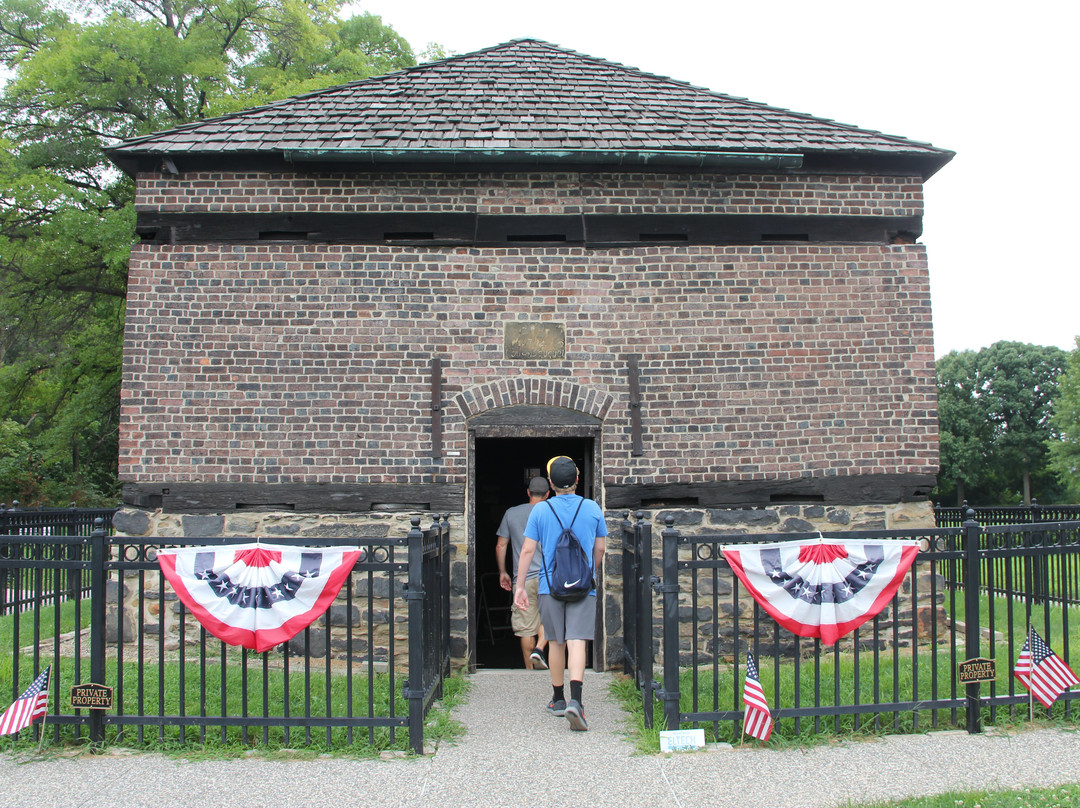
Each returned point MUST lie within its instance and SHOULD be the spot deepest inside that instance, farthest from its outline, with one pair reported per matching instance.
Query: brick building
(406, 293)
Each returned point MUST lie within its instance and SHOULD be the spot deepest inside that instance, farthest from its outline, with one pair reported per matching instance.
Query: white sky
(994, 82)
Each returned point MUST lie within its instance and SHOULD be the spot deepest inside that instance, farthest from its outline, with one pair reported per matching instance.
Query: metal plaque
(979, 669)
(535, 341)
(92, 697)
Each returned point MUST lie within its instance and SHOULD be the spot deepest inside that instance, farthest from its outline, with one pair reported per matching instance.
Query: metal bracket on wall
(635, 407)
(436, 407)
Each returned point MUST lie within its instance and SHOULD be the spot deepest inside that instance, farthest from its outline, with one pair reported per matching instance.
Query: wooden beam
(854, 489)
(456, 229)
(298, 497)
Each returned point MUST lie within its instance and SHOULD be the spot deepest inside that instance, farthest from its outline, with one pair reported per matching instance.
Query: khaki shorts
(526, 622)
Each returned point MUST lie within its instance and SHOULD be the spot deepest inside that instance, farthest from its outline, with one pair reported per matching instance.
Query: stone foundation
(372, 631)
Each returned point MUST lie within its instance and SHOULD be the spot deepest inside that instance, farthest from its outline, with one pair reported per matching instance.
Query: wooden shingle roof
(526, 102)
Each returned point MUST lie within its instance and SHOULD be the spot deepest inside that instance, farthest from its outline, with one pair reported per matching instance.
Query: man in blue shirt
(568, 626)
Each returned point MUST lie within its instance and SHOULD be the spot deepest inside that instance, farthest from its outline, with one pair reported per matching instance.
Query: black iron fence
(352, 676)
(22, 587)
(1006, 514)
(973, 593)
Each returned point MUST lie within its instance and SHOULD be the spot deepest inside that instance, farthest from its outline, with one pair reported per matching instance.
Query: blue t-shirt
(544, 528)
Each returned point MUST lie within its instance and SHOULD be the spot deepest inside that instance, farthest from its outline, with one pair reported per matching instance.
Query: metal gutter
(754, 160)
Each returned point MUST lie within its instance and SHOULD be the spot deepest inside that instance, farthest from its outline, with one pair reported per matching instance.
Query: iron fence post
(444, 591)
(670, 589)
(972, 629)
(643, 551)
(414, 596)
(97, 625)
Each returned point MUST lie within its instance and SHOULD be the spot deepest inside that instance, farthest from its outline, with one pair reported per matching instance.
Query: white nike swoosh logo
(572, 583)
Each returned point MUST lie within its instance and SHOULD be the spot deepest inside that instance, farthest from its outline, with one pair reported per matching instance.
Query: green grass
(54, 621)
(171, 689)
(1056, 797)
(839, 682)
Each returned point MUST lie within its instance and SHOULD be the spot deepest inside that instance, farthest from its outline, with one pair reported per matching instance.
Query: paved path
(515, 754)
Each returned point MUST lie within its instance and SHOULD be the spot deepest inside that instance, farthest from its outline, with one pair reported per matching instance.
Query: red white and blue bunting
(257, 595)
(822, 587)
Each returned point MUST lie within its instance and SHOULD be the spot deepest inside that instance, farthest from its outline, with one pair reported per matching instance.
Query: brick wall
(278, 363)
(541, 193)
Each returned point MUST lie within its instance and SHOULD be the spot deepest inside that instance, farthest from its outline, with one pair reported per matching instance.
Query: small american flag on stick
(1042, 671)
(758, 722)
(29, 707)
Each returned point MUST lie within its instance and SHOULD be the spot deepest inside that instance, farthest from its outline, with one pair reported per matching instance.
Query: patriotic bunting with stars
(822, 587)
(257, 595)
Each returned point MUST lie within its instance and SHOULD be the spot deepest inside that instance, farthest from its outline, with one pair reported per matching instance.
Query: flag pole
(1031, 692)
(41, 740)
(49, 691)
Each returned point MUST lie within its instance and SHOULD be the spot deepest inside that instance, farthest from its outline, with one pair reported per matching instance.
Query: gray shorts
(568, 621)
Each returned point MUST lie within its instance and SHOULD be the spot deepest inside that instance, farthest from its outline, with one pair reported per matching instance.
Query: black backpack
(571, 576)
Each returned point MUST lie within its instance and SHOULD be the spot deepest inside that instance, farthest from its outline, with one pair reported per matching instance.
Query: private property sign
(92, 697)
(979, 669)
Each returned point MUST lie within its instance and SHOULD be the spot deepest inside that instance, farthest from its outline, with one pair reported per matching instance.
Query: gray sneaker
(538, 661)
(575, 714)
(557, 707)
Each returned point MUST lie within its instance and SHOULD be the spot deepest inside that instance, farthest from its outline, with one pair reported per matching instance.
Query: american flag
(28, 708)
(757, 723)
(1042, 671)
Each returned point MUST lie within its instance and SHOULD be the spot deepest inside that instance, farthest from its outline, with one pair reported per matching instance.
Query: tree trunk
(1027, 488)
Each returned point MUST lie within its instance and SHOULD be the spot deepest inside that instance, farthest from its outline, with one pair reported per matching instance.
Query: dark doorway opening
(502, 472)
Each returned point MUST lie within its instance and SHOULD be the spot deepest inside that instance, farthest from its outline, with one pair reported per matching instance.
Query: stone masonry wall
(917, 620)
(830, 520)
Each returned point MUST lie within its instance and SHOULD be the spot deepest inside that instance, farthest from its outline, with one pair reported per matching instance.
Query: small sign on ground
(674, 740)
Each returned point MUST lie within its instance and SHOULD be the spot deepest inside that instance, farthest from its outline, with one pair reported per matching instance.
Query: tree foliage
(1065, 446)
(81, 79)
(995, 415)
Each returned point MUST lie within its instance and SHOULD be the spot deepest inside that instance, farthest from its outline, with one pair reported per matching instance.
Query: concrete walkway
(515, 754)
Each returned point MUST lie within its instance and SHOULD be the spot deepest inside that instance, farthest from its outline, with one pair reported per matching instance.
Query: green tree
(1065, 445)
(76, 83)
(965, 434)
(995, 417)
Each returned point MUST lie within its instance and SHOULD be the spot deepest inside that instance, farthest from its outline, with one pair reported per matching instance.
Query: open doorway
(503, 468)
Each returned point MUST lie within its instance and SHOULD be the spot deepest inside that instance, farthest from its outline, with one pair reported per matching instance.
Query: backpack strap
(557, 519)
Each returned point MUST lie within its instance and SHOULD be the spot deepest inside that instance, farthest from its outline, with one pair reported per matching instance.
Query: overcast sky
(994, 82)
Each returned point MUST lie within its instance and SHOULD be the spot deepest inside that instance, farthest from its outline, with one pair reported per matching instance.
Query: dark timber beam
(458, 229)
